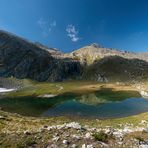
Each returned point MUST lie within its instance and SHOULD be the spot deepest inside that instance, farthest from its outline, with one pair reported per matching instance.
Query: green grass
(112, 95)
(103, 137)
(41, 88)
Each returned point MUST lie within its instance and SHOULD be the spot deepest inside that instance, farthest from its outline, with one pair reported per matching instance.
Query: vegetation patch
(102, 136)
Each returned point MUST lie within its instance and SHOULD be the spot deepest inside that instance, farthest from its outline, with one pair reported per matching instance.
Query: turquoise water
(101, 104)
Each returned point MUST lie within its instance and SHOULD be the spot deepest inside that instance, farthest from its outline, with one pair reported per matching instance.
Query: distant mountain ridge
(94, 52)
(21, 58)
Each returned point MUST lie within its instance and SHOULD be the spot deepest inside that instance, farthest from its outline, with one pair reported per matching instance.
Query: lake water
(102, 104)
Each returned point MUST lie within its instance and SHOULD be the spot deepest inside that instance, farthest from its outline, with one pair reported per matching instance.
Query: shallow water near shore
(102, 104)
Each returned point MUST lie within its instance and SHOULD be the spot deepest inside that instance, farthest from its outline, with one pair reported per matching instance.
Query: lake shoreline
(20, 131)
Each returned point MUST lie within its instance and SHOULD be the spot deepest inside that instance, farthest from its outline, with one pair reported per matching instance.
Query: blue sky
(71, 24)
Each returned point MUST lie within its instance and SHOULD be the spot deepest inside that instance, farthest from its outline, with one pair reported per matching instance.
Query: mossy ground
(32, 88)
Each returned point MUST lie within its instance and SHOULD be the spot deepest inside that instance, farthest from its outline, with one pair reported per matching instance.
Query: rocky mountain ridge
(21, 58)
(89, 54)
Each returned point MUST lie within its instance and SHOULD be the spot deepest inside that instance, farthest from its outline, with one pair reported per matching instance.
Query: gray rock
(74, 146)
(90, 146)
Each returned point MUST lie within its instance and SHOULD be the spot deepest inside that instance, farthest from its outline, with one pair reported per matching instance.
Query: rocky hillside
(23, 59)
(94, 52)
(116, 68)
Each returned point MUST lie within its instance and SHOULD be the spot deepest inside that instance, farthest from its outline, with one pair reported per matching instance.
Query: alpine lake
(103, 103)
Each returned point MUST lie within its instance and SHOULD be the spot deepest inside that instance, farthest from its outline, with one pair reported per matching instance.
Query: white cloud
(46, 26)
(53, 24)
(72, 33)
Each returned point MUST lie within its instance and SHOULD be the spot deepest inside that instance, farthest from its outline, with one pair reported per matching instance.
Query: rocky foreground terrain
(23, 59)
(59, 132)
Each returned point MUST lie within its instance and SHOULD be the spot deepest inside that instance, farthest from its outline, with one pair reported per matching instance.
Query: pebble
(77, 137)
(74, 146)
(143, 122)
(2, 117)
(65, 142)
(55, 139)
(83, 145)
(88, 135)
(27, 133)
(120, 143)
(90, 146)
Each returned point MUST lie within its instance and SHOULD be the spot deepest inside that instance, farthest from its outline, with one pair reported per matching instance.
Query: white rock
(144, 93)
(127, 130)
(61, 126)
(143, 122)
(55, 139)
(47, 96)
(77, 137)
(143, 146)
(118, 134)
(84, 146)
(120, 143)
(74, 146)
(90, 146)
(107, 131)
(27, 132)
(2, 117)
(73, 125)
(88, 135)
(65, 142)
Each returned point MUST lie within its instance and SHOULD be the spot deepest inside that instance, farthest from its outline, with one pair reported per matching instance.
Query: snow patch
(4, 90)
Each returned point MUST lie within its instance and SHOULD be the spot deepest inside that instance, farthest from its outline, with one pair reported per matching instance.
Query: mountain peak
(96, 45)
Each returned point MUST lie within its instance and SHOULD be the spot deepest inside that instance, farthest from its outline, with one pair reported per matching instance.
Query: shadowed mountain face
(23, 59)
(115, 68)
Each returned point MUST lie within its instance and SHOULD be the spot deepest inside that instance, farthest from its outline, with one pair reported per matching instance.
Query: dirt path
(60, 87)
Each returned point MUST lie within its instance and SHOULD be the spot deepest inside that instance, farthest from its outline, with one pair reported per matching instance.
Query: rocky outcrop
(144, 94)
(22, 59)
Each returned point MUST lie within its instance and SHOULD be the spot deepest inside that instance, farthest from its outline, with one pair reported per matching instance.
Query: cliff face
(22, 59)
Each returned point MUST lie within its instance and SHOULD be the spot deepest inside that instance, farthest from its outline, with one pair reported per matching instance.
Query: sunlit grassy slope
(32, 88)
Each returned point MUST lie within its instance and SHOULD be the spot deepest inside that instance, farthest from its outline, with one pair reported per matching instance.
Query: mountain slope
(22, 59)
(106, 64)
(116, 68)
(94, 52)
